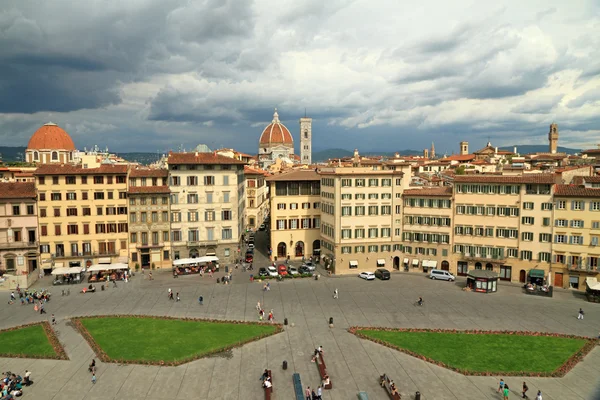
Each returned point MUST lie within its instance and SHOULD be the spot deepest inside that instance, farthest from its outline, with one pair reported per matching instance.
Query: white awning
(592, 283)
(211, 254)
(381, 261)
(104, 260)
(415, 262)
(354, 263)
(406, 261)
(107, 267)
(197, 260)
(433, 264)
(63, 271)
(429, 263)
(58, 265)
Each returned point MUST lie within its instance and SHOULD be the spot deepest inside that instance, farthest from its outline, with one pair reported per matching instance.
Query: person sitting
(265, 375)
(267, 383)
(393, 388)
(326, 380)
(315, 355)
(320, 349)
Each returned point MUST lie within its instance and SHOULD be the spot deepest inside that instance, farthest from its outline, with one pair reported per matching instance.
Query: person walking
(94, 378)
(115, 282)
(335, 294)
(525, 389)
(12, 298)
(500, 386)
(53, 320)
(320, 392)
(580, 316)
(308, 393)
(539, 395)
(505, 392)
(177, 297)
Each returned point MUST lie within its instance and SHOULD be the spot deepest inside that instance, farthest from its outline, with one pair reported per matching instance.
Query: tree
(460, 170)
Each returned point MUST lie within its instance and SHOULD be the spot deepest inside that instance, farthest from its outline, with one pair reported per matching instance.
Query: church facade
(277, 143)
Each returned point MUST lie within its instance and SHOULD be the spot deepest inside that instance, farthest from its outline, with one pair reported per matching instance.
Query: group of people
(170, 295)
(261, 313)
(266, 380)
(92, 369)
(504, 389)
(12, 384)
(312, 395)
(29, 297)
(391, 386)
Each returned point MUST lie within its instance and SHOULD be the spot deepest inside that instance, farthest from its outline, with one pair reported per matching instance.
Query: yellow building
(295, 198)
(576, 236)
(257, 200)
(149, 219)
(82, 215)
(503, 224)
(427, 229)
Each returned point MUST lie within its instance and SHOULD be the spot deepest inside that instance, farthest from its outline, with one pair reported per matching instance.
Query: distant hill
(9, 154)
(537, 148)
(324, 155)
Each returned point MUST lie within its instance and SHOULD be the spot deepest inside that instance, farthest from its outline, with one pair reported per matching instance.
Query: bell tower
(305, 140)
(553, 138)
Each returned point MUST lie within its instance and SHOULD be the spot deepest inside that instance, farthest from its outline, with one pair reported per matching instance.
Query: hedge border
(101, 354)
(560, 372)
(58, 348)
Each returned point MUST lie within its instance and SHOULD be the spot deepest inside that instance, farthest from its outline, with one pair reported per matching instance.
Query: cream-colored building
(503, 224)
(82, 215)
(207, 205)
(149, 218)
(427, 229)
(257, 197)
(295, 198)
(576, 236)
(18, 233)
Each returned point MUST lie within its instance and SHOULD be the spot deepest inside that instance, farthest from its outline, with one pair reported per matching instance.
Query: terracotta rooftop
(50, 137)
(67, 169)
(148, 173)
(201, 158)
(591, 151)
(575, 191)
(148, 189)
(458, 157)
(591, 179)
(526, 178)
(296, 175)
(17, 190)
(253, 171)
(429, 191)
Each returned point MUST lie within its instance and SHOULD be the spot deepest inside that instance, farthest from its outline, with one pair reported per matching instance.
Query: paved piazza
(354, 365)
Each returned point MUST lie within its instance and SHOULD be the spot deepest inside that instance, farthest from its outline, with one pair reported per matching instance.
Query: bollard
(418, 396)
(284, 364)
(285, 322)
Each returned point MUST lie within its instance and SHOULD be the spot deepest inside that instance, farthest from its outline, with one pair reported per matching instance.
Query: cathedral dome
(51, 137)
(276, 133)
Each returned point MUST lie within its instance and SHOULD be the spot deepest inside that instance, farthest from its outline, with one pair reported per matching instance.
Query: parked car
(367, 275)
(304, 270)
(441, 274)
(282, 270)
(309, 265)
(262, 227)
(251, 245)
(382, 274)
(272, 271)
(263, 272)
(293, 270)
(249, 258)
(251, 251)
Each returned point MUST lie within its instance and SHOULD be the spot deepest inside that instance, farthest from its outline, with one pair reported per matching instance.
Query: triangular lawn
(481, 353)
(148, 339)
(26, 342)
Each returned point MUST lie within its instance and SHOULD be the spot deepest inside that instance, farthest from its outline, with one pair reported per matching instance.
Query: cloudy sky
(152, 75)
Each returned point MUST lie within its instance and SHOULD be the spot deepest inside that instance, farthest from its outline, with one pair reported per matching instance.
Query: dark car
(304, 270)
(382, 273)
(263, 272)
(250, 251)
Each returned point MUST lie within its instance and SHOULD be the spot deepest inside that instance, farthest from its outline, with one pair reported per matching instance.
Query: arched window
(489, 267)
(36, 156)
(55, 156)
(478, 265)
(194, 253)
(306, 134)
(299, 249)
(281, 250)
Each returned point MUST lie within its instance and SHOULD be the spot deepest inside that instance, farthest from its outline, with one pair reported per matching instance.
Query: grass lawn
(150, 339)
(485, 352)
(30, 341)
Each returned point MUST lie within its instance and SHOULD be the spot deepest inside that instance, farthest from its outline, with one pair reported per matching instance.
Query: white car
(272, 271)
(293, 271)
(251, 245)
(309, 265)
(369, 276)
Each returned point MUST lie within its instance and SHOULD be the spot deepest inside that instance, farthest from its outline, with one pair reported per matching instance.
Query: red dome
(276, 133)
(51, 137)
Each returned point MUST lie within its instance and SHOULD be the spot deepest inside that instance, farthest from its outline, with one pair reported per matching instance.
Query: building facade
(149, 218)
(207, 205)
(257, 198)
(19, 255)
(82, 215)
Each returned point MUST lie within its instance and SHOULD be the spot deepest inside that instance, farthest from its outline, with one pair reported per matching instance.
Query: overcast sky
(152, 75)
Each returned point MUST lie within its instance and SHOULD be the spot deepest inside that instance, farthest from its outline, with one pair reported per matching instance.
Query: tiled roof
(575, 191)
(148, 189)
(591, 151)
(526, 178)
(148, 173)
(459, 157)
(50, 137)
(253, 171)
(66, 169)
(591, 179)
(17, 190)
(296, 175)
(201, 158)
(430, 191)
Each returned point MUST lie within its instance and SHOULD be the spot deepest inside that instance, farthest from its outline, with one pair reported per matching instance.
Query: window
(546, 221)
(209, 180)
(373, 196)
(359, 182)
(225, 178)
(165, 216)
(526, 255)
(576, 239)
(346, 182)
(86, 229)
(55, 180)
(359, 249)
(57, 230)
(386, 210)
(42, 196)
(192, 216)
(576, 223)
(346, 233)
(359, 210)
(165, 236)
(373, 182)
(359, 233)
(544, 257)
(527, 220)
(386, 232)
(560, 238)
(373, 232)
(226, 197)
(71, 212)
(546, 206)
(72, 230)
(154, 216)
(44, 229)
(346, 211)
(154, 201)
(57, 212)
(346, 249)
(192, 181)
(226, 215)
(513, 253)
(176, 236)
(373, 248)
(192, 198)
(98, 180)
(98, 195)
(293, 206)
(373, 210)
(132, 217)
(561, 223)
(545, 237)
(143, 217)
(386, 182)
(71, 196)
(359, 196)
(16, 210)
(84, 196)
(577, 205)
(527, 205)
(55, 197)
(226, 233)
(505, 272)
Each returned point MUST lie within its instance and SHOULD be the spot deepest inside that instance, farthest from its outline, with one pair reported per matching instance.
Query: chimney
(515, 149)
(196, 154)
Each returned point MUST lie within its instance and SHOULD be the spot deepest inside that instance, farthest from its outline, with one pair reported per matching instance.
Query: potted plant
(137, 267)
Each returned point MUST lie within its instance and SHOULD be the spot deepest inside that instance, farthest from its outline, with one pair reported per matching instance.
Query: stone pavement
(354, 365)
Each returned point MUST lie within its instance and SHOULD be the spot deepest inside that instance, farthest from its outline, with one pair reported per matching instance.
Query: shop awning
(406, 261)
(429, 263)
(381, 261)
(63, 271)
(354, 263)
(415, 262)
(107, 267)
(537, 273)
(592, 283)
(197, 260)
(104, 260)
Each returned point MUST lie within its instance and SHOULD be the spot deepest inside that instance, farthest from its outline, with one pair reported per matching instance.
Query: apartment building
(427, 229)
(82, 215)
(149, 219)
(207, 205)
(295, 214)
(575, 247)
(361, 217)
(18, 232)
(503, 224)
(257, 197)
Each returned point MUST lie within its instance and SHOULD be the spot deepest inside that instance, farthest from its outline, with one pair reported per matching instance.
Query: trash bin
(418, 396)
(284, 364)
(285, 322)
(330, 320)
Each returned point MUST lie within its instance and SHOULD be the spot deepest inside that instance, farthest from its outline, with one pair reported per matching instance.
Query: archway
(194, 253)
(396, 262)
(445, 266)
(522, 276)
(317, 248)
(477, 265)
(299, 252)
(282, 250)
(489, 267)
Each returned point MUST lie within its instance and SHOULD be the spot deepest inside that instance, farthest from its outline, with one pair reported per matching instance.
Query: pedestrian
(525, 389)
(93, 378)
(171, 296)
(314, 395)
(500, 386)
(169, 293)
(308, 393)
(258, 306)
(53, 320)
(505, 392)
(335, 294)
(12, 298)
(42, 311)
(320, 392)
(150, 276)
(115, 282)
(539, 395)
(580, 316)
(177, 297)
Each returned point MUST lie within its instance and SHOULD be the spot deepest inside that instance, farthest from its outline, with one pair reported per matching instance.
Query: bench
(269, 390)
(298, 387)
(320, 361)
(385, 383)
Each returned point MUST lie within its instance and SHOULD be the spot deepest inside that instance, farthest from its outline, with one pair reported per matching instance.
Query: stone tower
(553, 138)
(464, 148)
(426, 153)
(432, 152)
(306, 140)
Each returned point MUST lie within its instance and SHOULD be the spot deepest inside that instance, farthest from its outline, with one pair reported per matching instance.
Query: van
(442, 275)
(382, 273)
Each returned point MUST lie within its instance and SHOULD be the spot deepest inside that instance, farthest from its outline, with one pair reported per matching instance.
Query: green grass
(149, 339)
(30, 341)
(485, 352)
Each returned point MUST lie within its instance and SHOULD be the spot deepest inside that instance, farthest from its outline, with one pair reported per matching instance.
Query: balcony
(19, 245)
(583, 268)
(202, 243)
(64, 256)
